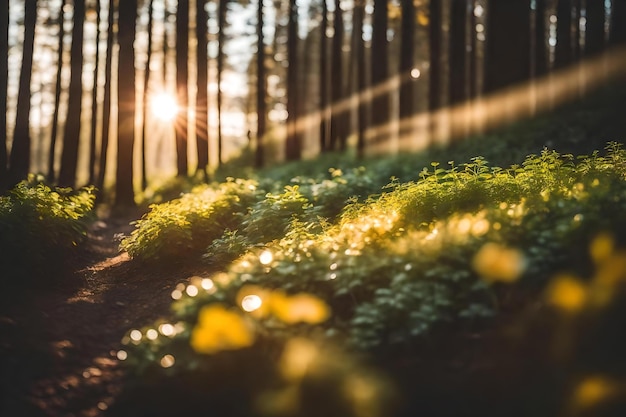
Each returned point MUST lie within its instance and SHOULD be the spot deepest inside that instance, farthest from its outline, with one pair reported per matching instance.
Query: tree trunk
(541, 50)
(563, 50)
(507, 57)
(336, 129)
(594, 31)
(458, 52)
(94, 102)
(182, 85)
(473, 55)
(221, 23)
(261, 89)
(106, 100)
(577, 52)
(407, 57)
(19, 163)
(617, 35)
(292, 143)
(57, 95)
(4, 75)
(457, 81)
(144, 107)
(164, 44)
(434, 31)
(124, 193)
(202, 118)
(380, 70)
(324, 107)
(359, 50)
(71, 134)
(434, 72)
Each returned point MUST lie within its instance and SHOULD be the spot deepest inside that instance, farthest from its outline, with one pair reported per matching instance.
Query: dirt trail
(58, 348)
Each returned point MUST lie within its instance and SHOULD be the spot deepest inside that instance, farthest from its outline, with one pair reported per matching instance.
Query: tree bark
(182, 86)
(380, 70)
(594, 31)
(106, 100)
(292, 143)
(359, 50)
(19, 163)
(541, 51)
(434, 72)
(94, 103)
(57, 95)
(4, 75)
(71, 134)
(202, 118)
(458, 52)
(324, 107)
(261, 89)
(617, 35)
(221, 37)
(337, 131)
(407, 57)
(124, 192)
(507, 57)
(144, 107)
(435, 35)
(563, 50)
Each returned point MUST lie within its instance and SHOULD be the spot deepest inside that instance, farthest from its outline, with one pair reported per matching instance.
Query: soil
(58, 347)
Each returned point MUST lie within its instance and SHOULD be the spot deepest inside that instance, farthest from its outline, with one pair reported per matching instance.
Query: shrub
(41, 227)
(183, 228)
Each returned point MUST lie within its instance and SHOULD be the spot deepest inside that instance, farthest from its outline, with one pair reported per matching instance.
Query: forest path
(61, 344)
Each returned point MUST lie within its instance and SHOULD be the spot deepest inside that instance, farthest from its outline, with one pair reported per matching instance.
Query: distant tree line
(352, 77)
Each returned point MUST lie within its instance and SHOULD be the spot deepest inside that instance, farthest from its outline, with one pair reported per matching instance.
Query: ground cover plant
(336, 261)
(41, 227)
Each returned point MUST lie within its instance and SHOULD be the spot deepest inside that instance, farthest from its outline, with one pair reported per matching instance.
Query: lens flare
(164, 107)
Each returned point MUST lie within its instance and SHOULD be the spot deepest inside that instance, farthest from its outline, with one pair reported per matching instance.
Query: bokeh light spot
(192, 290)
(251, 303)
(266, 257)
(168, 361)
(135, 335)
(166, 329)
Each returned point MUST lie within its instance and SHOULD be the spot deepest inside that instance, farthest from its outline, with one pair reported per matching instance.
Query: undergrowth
(364, 268)
(41, 227)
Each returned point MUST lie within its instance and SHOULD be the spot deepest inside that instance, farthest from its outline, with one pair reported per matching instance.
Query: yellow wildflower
(220, 329)
(567, 293)
(299, 308)
(494, 262)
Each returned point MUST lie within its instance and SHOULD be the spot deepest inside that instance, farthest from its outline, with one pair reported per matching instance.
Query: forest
(300, 208)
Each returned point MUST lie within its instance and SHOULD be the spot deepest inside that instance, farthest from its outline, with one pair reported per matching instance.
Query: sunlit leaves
(40, 226)
(414, 259)
(186, 226)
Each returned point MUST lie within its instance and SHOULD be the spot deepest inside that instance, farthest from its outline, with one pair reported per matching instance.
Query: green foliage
(184, 227)
(393, 265)
(40, 227)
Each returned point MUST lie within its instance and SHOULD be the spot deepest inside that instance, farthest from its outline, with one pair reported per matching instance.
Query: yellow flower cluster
(290, 309)
(494, 262)
(220, 329)
(570, 294)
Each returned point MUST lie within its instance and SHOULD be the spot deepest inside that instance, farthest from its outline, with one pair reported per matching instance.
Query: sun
(164, 107)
